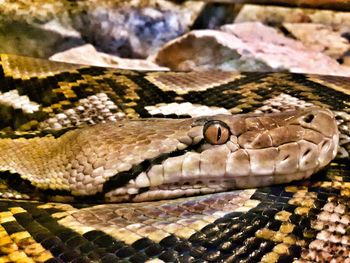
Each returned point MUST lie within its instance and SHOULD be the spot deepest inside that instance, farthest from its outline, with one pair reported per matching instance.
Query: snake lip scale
(184, 156)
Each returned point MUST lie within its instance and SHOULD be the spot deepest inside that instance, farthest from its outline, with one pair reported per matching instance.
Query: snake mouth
(121, 179)
(198, 187)
(168, 191)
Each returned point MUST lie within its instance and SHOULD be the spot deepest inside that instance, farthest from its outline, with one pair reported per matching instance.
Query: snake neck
(34, 158)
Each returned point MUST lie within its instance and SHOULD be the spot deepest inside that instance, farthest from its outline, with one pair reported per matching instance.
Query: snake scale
(111, 165)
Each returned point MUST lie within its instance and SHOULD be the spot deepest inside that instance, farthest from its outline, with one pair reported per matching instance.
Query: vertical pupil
(218, 135)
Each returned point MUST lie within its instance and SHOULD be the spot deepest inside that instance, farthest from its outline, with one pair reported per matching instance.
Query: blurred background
(283, 35)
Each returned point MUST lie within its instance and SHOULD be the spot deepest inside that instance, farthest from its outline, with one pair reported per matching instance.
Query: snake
(111, 165)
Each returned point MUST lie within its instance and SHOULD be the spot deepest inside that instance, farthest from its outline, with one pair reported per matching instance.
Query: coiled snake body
(73, 136)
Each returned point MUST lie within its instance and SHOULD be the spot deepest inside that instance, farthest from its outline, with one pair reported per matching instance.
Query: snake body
(76, 135)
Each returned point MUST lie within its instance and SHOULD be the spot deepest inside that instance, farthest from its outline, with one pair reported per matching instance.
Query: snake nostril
(286, 157)
(308, 118)
(306, 152)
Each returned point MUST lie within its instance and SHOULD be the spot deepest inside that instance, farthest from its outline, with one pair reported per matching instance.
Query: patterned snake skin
(66, 184)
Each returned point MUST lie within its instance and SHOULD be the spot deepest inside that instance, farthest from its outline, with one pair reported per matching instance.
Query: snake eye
(216, 132)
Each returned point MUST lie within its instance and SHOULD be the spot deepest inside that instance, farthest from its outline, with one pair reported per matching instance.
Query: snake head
(149, 159)
(243, 151)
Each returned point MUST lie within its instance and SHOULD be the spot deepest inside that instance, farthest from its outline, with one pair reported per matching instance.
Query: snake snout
(320, 120)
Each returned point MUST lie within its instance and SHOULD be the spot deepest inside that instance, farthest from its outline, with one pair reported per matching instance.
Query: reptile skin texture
(307, 220)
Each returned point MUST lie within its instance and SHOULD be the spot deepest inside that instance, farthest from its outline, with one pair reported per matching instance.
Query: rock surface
(133, 29)
(126, 28)
(320, 38)
(273, 15)
(24, 39)
(244, 47)
(88, 55)
(36, 28)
